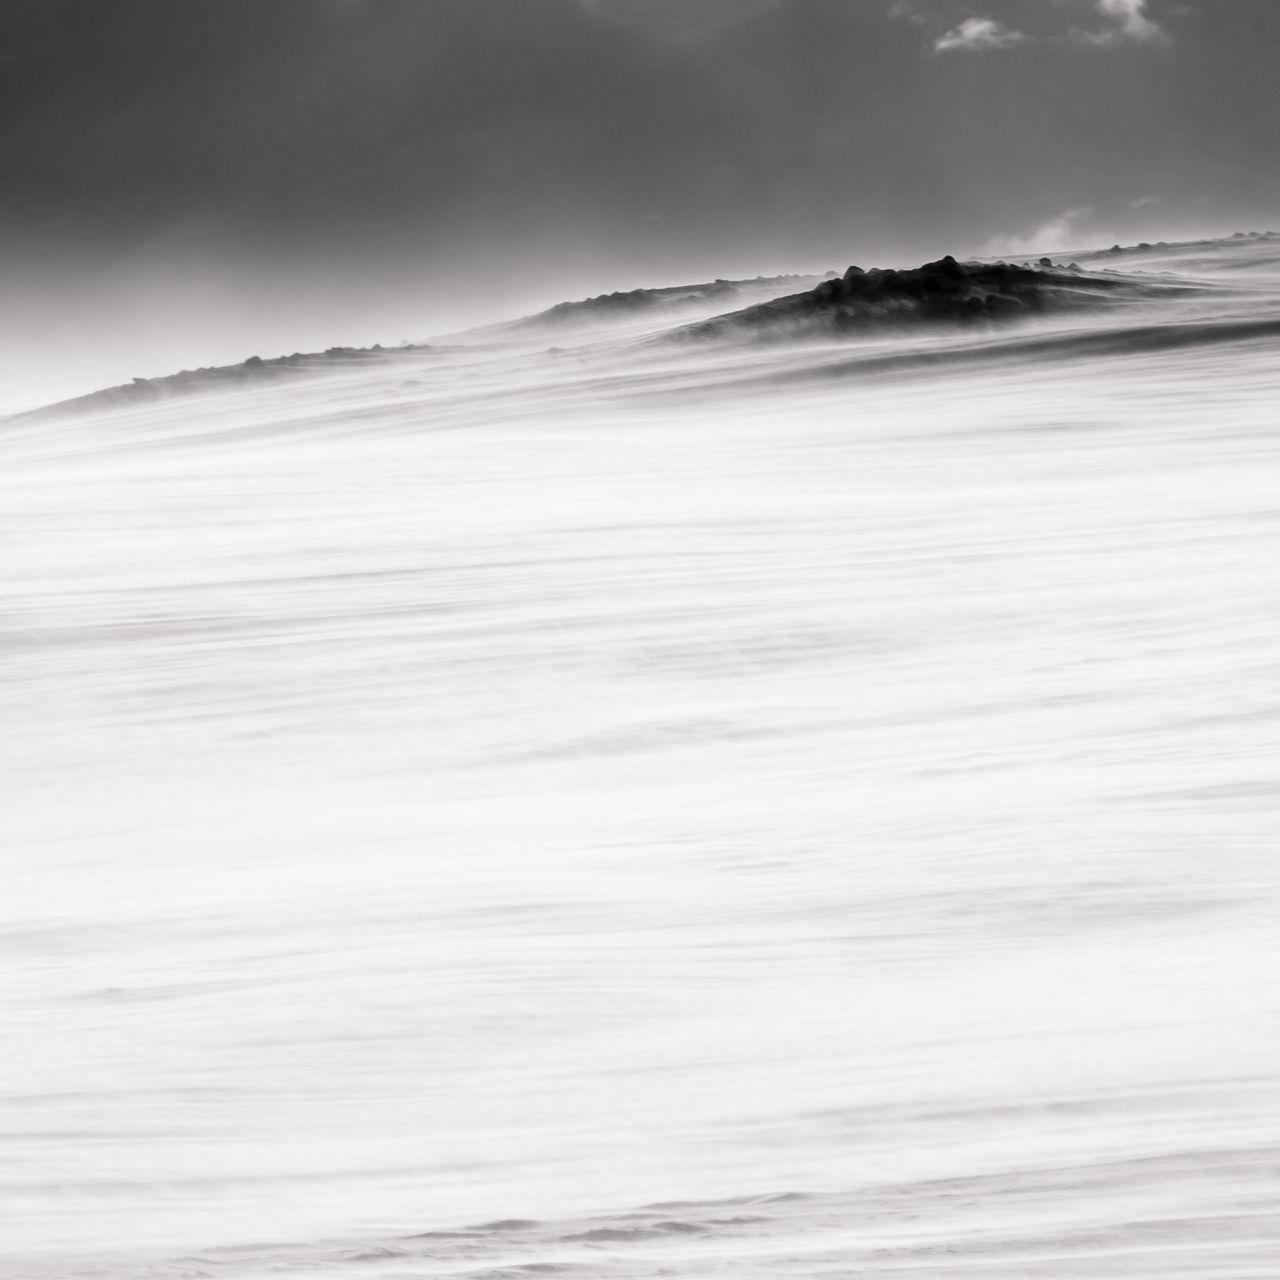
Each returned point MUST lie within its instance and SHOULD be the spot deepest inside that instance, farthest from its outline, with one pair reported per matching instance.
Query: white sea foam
(825, 792)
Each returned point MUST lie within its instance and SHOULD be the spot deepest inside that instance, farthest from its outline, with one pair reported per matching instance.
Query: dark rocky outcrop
(945, 292)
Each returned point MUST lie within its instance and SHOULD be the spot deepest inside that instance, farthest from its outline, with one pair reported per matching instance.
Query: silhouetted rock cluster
(942, 292)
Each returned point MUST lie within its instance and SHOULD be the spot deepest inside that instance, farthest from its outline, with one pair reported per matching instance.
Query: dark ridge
(942, 292)
(227, 377)
(1234, 237)
(945, 292)
(1237, 239)
(635, 301)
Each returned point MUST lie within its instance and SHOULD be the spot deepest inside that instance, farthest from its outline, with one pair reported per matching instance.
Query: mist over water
(635, 809)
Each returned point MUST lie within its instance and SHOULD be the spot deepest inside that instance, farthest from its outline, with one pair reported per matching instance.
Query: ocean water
(633, 811)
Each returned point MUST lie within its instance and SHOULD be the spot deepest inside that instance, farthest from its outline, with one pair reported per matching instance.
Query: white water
(834, 803)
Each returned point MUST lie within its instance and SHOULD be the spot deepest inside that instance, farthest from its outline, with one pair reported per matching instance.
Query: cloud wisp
(1115, 23)
(977, 35)
(1063, 231)
(1127, 23)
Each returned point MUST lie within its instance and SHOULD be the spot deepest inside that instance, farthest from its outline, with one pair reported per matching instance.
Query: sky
(192, 183)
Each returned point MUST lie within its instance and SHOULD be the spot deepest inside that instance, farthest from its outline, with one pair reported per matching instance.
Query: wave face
(650, 809)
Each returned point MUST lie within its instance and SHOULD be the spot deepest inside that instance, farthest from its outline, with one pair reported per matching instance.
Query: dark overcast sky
(196, 178)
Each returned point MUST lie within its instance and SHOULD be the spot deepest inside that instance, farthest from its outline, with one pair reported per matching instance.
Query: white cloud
(976, 35)
(1116, 23)
(1128, 23)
